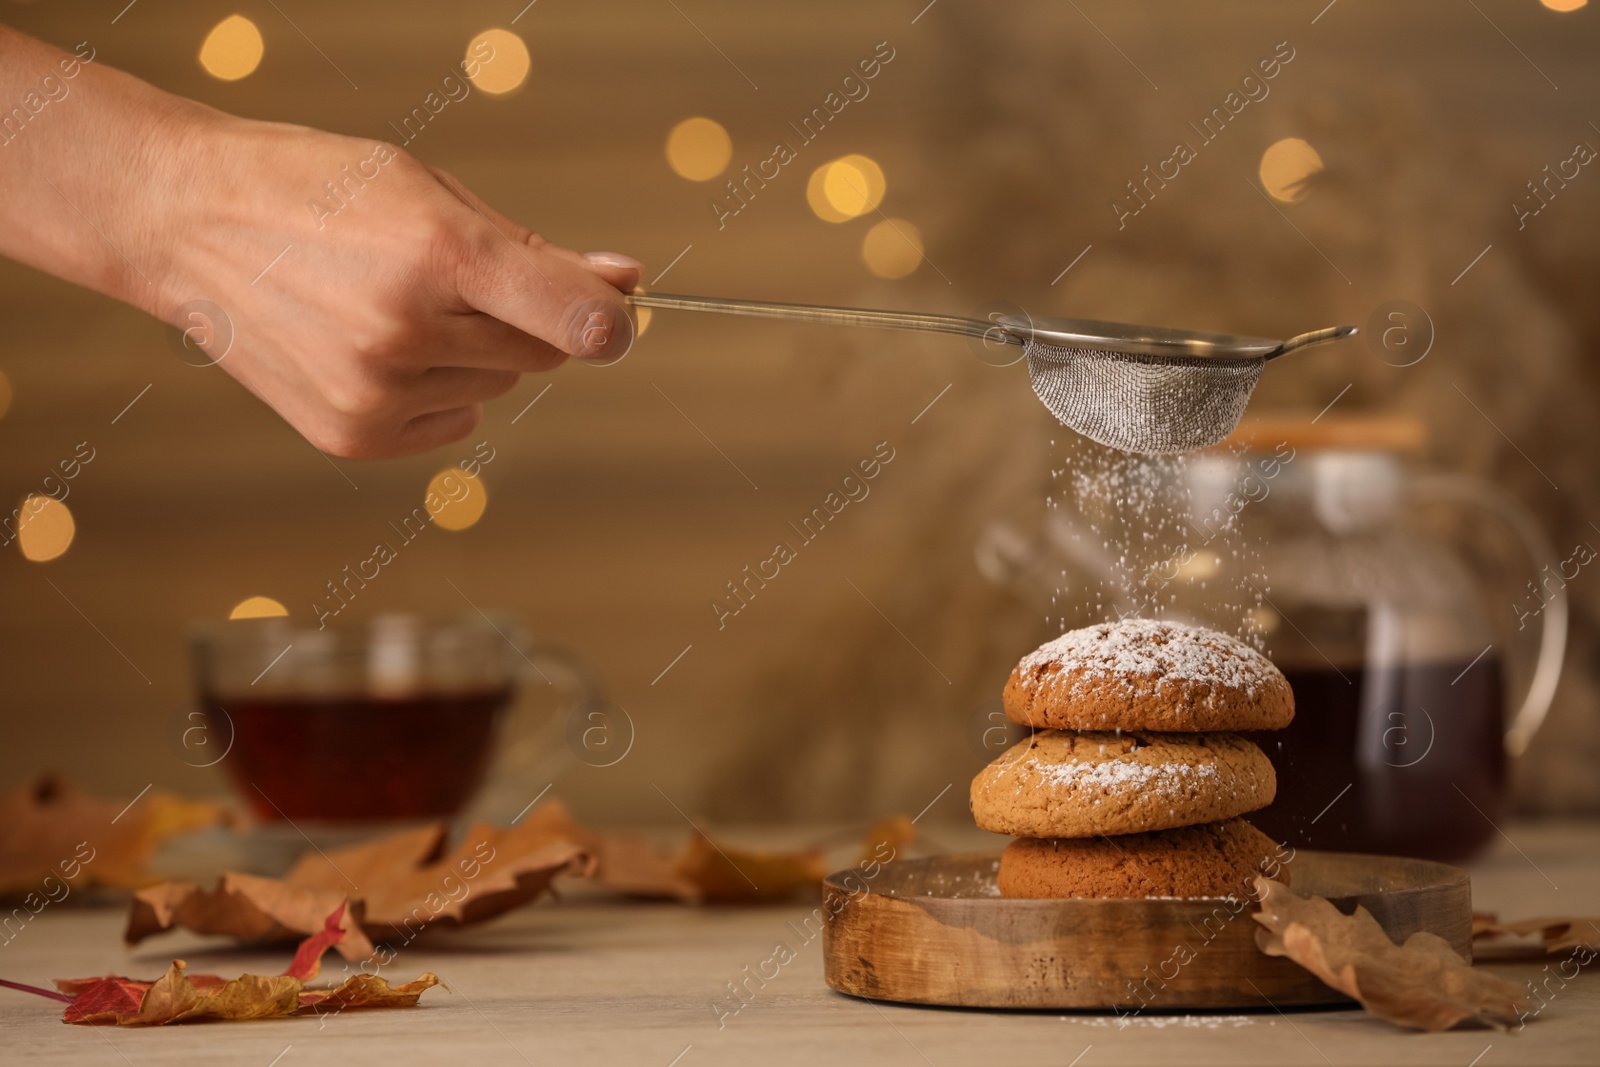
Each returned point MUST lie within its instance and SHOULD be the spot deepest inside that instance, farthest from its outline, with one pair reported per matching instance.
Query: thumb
(550, 293)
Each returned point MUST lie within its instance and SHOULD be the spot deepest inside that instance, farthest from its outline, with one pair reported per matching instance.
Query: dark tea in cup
(358, 756)
(396, 720)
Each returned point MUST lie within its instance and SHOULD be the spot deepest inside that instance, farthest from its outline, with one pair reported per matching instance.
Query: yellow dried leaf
(1507, 940)
(52, 830)
(367, 991)
(177, 996)
(887, 838)
(173, 998)
(732, 875)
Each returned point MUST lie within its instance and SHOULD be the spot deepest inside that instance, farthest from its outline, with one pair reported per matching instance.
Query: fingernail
(613, 259)
(605, 337)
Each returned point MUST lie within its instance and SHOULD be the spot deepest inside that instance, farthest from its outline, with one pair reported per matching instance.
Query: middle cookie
(1062, 783)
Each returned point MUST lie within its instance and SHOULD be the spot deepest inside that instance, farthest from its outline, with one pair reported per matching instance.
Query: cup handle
(1472, 492)
(532, 753)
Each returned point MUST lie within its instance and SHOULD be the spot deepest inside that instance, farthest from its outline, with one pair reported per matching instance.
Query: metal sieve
(1139, 388)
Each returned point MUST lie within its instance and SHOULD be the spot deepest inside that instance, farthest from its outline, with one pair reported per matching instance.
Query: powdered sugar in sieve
(1153, 404)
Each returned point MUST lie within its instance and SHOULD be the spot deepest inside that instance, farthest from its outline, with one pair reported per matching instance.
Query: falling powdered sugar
(1136, 541)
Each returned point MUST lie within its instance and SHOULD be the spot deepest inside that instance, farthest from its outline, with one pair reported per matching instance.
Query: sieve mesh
(1142, 403)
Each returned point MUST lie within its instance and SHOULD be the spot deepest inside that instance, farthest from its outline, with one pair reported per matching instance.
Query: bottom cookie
(1210, 860)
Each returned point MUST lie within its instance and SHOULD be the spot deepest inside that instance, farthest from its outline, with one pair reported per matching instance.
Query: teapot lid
(1367, 432)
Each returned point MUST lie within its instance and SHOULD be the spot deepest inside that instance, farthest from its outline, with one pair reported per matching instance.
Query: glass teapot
(1320, 541)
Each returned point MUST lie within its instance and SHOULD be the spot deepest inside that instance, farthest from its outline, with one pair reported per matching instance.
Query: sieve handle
(829, 316)
(1315, 337)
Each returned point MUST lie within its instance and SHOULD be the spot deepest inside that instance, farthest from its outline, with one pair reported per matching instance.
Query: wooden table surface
(595, 982)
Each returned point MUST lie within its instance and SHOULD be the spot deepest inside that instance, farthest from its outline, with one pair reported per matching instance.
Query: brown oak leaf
(396, 886)
(1494, 939)
(245, 907)
(1423, 984)
(704, 870)
(627, 863)
(410, 880)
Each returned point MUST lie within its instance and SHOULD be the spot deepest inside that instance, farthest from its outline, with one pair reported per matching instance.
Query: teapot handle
(1471, 492)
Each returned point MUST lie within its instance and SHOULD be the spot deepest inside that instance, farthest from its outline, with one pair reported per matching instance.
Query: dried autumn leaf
(307, 962)
(408, 881)
(367, 991)
(100, 999)
(1422, 984)
(731, 875)
(1502, 940)
(891, 835)
(627, 863)
(242, 906)
(703, 870)
(53, 830)
(396, 886)
(174, 998)
(103, 999)
(178, 996)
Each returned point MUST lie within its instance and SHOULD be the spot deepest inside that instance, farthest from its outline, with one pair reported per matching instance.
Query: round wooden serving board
(936, 931)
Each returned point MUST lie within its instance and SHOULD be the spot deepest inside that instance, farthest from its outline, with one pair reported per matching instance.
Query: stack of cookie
(1133, 783)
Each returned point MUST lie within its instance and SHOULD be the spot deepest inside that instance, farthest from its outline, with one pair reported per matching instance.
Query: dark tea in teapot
(1405, 759)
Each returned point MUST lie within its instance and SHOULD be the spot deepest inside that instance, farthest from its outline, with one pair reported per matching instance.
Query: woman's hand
(373, 302)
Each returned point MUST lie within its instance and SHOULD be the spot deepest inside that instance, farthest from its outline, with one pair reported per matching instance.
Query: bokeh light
(1563, 5)
(698, 149)
(257, 607)
(819, 200)
(1286, 168)
(455, 499)
(5, 394)
(892, 248)
(45, 528)
(232, 50)
(1264, 620)
(508, 65)
(846, 188)
(1200, 566)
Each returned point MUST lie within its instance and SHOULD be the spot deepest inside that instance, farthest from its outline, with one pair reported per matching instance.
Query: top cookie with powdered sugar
(1148, 674)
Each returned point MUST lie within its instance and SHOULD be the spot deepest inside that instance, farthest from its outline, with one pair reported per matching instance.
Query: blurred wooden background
(845, 689)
